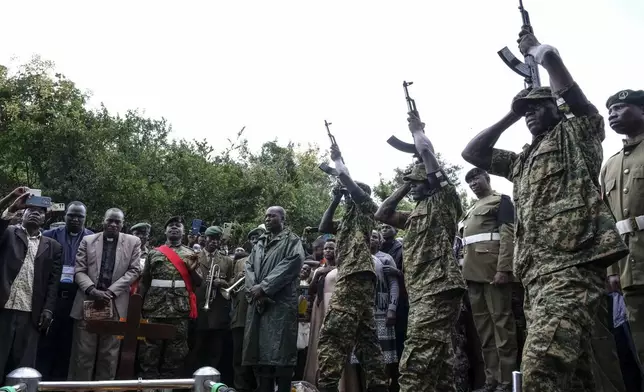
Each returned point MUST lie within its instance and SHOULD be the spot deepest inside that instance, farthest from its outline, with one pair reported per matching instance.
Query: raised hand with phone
(30, 273)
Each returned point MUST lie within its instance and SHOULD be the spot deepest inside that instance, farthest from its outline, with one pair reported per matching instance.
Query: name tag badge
(68, 274)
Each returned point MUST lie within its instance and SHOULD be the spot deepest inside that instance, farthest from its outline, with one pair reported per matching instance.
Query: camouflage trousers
(634, 300)
(350, 323)
(560, 310)
(165, 359)
(519, 318)
(496, 327)
(427, 362)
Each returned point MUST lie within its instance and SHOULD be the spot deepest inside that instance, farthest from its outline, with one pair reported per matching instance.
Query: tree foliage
(52, 141)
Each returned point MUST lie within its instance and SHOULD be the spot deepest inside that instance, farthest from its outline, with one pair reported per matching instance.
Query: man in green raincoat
(272, 277)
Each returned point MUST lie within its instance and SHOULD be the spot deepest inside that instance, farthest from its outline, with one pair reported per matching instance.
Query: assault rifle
(530, 69)
(398, 144)
(325, 166)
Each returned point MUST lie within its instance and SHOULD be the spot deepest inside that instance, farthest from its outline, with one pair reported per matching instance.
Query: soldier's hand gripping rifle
(529, 70)
(324, 166)
(398, 144)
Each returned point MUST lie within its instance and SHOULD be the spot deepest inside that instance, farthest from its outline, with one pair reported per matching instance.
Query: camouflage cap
(626, 96)
(257, 231)
(418, 173)
(214, 230)
(521, 101)
(140, 227)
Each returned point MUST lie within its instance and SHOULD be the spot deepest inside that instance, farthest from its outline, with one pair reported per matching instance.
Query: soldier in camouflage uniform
(434, 283)
(565, 236)
(166, 300)
(350, 322)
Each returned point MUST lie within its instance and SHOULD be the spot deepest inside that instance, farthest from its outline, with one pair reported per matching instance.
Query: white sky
(282, 67)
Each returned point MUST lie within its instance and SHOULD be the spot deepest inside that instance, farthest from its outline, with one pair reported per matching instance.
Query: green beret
(174, 219)
(418, 173)
(140, 227)
(626, 96)
(214, 230)
(473, 173)
(521, 101)
(256, 231)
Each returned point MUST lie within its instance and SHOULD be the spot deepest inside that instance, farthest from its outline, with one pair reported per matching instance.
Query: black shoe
(487, 388)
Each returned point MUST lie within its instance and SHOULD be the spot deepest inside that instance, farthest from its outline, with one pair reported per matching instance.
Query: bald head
(274, 219)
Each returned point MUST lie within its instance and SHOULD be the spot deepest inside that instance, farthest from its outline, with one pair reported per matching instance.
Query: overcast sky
(281, 68)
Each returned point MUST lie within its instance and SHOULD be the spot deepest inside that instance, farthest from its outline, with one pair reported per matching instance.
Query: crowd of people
(546, 280)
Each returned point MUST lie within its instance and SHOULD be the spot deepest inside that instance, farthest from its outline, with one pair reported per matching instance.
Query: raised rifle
(325, 166)
(398, 144)
(528, 69)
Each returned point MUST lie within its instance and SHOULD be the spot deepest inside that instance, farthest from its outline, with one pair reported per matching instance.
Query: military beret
(626, 96)
(214, 230)
(473, 173)
(174, 219)
(418, 173)
(257, 231)
(140, 226)
(521, 101)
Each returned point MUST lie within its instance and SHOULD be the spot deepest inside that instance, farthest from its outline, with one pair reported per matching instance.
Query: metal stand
(517, 381)
(29, 380)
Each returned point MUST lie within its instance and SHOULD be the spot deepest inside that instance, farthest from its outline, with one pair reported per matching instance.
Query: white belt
(167, 283)
(473, 239)
(626, 226)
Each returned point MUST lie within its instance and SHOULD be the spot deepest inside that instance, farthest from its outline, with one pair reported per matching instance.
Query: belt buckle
(172, 285)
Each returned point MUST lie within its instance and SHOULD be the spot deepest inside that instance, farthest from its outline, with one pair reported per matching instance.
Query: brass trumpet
(213, 273)
(234, 288)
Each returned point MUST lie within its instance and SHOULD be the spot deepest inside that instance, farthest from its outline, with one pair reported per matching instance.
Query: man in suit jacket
(107, 264)
(29, 274)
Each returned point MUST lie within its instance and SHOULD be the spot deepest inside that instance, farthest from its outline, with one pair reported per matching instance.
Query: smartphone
(228, 229)
(35, 192)
(38, 201)
(196, 226)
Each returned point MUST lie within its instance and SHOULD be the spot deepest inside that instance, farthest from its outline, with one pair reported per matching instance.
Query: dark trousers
(268, 376)
(244, 377)
(402, 315)
(18, 341)
(54, 349)
(208, 348)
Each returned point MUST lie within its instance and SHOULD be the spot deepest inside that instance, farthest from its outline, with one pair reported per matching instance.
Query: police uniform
(487, 231)
(166, 301)
(622, 180)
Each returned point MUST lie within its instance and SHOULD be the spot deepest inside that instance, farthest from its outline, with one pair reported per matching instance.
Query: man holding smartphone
(30, 267)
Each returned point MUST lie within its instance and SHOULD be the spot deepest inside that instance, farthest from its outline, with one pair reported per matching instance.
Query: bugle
(234, 289)
(213, 274)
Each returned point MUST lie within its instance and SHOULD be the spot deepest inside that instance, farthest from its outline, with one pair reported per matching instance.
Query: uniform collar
(631, 143)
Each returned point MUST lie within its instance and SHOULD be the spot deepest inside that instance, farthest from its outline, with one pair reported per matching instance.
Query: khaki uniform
(488, 248)
(622, 180)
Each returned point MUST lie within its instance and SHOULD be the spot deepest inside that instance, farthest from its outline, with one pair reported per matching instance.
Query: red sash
(180, 265)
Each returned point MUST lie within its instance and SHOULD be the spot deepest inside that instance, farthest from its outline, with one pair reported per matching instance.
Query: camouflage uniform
(565, 237)
(165, 305)
(350, 319)
(434, 285)
(462, 362)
